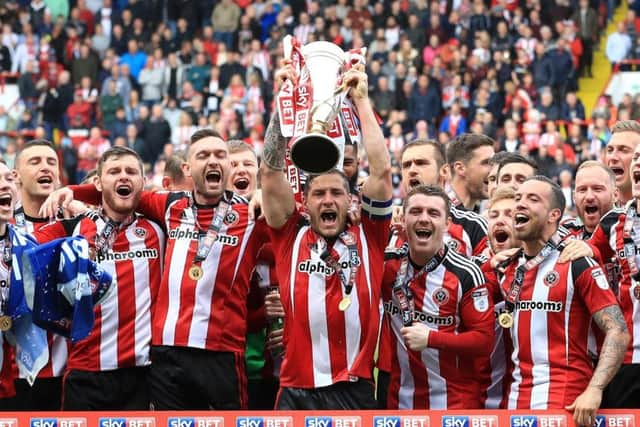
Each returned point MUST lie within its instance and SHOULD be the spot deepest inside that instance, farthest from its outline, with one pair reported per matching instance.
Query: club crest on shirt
(601, 280)
(440, 296)
(453, 244)
(551, 279)
(231, 217)
(480, 300)
(140, 232)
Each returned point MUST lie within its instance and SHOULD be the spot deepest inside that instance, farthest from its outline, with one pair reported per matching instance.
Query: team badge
(231, 217)
(140, 232)
(551, 279)
(601, 280)
(480, 300)
(440, 296)
(453, 244)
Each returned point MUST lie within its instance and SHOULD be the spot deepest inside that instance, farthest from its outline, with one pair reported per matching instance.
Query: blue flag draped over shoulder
(30, 341)
(62, 285)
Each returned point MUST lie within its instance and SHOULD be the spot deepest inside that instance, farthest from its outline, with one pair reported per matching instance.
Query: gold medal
(5, 323)
(195, 272)
(345, 302)
(505, 320)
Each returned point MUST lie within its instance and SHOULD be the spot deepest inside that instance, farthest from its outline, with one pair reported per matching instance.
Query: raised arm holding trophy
(331, 303)
(314, 109)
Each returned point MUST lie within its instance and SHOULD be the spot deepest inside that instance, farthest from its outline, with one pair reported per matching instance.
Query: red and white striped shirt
(121, 334)
(550, 332)
(209, 313)
(58, 345)
(323, 344)
(454, 303)
(608, 238)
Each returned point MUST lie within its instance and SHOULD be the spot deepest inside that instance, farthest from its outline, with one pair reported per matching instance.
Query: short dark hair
(428, 190)
(118, 151)
(558, 201)
(311, 178)
(517, 158)
(440, 155)
(40, 142)
(204, 133)
(173, 166)
(499, 157)
(462, 148)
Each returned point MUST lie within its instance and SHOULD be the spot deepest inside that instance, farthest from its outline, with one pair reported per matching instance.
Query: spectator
(572, 109)
(224, 20)
(198, 73)
(587, 21)
(134, 59)
(86, 65)
(27, 85)
(454, 124)
(100, 40)
(79, 113)
(89, 152)
(424, 101)
(118, 127)
(173, 77)
(618, 45)
(151, 81)
(109, 104)
(157, 134)
(547, 108)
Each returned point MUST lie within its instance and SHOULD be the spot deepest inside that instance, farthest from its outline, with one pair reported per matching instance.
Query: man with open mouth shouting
(199, 319)
(625, 136)
(38, 173)
(549, 306)
(439, 309)
(617, 236)
(329, 271)
(108, 370)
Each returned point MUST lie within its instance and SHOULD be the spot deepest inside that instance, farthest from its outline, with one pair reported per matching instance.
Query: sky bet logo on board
(264, 422)
(615, 420)
(538, 421)
(127, 422)
(334, 421)
(470, 421)
(58, 422)
(195, 422)
(402, 421)
(8, 422)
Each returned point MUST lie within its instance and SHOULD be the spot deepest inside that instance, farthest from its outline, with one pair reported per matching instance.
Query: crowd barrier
(461, 418)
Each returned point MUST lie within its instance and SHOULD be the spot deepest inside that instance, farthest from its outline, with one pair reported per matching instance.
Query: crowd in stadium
(478, 247)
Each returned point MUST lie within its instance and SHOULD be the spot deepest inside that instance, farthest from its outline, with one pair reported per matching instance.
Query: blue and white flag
(30, 341)
(62, 285)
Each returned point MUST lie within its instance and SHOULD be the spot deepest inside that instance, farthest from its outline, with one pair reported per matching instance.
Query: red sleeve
(87, 193)
(476, 312)
(599, 240)
(592, 284)
(51, 231)
(153, 204)
(479, 248)
(282, 238)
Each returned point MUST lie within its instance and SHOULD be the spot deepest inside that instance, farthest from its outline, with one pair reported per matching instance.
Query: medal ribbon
(512, 297)
(401, 288)
(206, 241)
(4, 291)
(106, 238)
(350, 242)
(629, 243)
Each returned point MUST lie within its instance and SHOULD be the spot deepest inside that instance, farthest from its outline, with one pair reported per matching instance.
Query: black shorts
(196, 379)
(44, 395)
(120, 389)
(262, 394)
(338, 396)
(624, 389)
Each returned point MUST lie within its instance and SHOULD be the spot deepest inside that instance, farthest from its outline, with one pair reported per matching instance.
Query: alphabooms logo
(402, 421)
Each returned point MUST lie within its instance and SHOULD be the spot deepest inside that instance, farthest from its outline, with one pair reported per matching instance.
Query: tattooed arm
(611, 322)
(278, 202)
